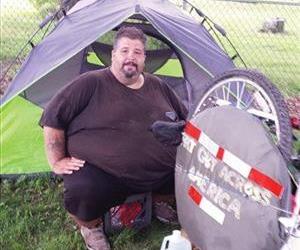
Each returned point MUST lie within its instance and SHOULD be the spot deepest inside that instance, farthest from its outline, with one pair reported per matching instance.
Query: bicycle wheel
(250, 90)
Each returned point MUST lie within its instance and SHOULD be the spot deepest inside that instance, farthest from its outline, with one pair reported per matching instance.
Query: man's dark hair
(131, 33)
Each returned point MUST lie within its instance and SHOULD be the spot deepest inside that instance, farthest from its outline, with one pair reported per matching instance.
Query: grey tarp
(201, 57)
(234, 212)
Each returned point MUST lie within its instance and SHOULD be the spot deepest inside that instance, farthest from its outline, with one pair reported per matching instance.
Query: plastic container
(176, 241)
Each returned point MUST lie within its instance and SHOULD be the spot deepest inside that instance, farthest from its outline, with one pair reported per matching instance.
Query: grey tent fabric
(189, 36)
(43, 90)
(195, 79)
(72, 34)
(248, 222)
(189, 40)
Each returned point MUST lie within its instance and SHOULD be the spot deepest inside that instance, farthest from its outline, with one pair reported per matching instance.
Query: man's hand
(67, 165)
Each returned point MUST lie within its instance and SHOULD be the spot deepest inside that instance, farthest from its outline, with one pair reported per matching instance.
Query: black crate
(136, 213)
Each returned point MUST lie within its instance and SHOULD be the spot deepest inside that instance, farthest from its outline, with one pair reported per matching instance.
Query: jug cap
(176, 233)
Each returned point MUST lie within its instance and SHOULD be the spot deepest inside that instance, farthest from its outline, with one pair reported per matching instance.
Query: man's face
(128, 58)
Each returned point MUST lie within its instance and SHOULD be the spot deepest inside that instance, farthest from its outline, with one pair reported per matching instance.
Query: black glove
(168, 133)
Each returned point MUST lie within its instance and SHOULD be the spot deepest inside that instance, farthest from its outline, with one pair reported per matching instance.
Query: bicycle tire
(263, 84)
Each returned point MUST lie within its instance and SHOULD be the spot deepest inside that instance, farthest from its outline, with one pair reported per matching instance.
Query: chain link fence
(20, 20)
(248, 24)
(265, 33)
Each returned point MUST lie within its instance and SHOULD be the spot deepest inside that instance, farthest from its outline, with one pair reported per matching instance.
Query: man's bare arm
(56, 152)
(54, 144)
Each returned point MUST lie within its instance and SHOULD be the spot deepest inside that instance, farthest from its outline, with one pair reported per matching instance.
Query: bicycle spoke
(228, 90)
(233, 95)
(223, 90)
(249, 103)
(216, 91)
(240, 93)
(261, 114)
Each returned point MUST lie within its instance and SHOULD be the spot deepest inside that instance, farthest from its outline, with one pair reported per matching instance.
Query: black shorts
(90, 192)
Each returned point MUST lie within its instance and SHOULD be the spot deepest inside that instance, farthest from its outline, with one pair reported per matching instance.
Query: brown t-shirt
(107, 124)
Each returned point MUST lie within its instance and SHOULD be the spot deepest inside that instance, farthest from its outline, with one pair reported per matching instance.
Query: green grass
(18, 22)
(32, 217)
(276, 55)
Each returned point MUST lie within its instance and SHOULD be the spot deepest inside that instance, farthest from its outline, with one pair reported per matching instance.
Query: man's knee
(82, 191)
(83, 201)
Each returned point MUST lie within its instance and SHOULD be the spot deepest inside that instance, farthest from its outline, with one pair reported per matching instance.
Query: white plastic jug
(176, 241)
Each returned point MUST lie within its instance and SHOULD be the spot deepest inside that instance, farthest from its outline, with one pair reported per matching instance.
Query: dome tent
(69, 50)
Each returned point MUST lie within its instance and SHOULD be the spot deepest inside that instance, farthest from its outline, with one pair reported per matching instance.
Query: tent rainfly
(189, 58)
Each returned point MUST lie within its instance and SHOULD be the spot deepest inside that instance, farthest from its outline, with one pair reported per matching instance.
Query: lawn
(18, 22)
(276, 55)
(32, 217)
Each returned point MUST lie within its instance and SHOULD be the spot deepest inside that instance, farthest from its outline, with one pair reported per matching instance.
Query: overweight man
(98, 136)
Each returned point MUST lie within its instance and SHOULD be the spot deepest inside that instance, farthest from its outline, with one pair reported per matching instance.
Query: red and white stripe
(251, 173)
(206, 206)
